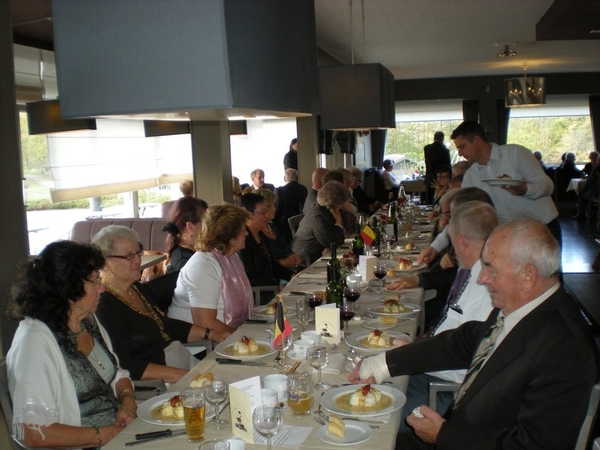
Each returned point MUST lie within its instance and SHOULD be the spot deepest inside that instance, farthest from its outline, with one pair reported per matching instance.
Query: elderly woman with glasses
(66, 384)
(441, 184)
(147, 342)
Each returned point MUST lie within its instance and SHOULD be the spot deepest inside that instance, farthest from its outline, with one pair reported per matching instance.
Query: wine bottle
(335, 291)
(358, 244)
(377, 240)
(333, 266)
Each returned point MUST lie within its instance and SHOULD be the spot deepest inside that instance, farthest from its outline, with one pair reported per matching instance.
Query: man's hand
(519, 189)
(407, 282)
(447, 261)
(354, 376)
(427, 427)
(427, 255)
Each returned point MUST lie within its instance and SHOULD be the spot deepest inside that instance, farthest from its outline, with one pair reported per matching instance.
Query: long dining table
(309, 280)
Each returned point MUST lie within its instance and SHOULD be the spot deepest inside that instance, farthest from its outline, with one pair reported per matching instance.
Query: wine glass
(302, 312)
(285, 345)
(268, 421)
(347, 313)
(314, 300)
(376, 250)
(352, 294)
(318, 357)
(215, 394)
(380, 272)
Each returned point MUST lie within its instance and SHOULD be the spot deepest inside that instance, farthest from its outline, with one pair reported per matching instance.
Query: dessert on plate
(201, 380)
(365, 397)
(245, 346)
(172, 409)
(379, 339)
(393, 306)
(271, 308)
(405, 264)
(336, 426)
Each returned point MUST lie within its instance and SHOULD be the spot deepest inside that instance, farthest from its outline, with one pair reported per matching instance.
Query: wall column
(308, 148)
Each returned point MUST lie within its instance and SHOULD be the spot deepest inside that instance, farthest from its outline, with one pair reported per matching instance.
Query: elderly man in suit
(531, 365)
(290, 201)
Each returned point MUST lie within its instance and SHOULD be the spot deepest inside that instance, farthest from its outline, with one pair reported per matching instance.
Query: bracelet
(207, 332)
(126, 392)
(97, 429)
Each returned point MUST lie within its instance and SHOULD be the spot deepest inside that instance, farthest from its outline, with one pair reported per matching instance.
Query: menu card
(244, 396)
(327, 322)
(366, 265)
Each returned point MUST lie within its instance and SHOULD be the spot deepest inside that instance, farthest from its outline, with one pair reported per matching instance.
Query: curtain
(503, 116)
(378, 146)
(471, 110)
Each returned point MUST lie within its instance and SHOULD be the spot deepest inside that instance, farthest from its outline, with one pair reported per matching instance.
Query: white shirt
(476, 304)
(519, 163)
(198, 286)
(389, 180)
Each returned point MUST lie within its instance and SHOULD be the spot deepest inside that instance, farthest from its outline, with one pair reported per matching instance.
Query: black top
(279, 248)
(437, 156)
(290, 160)
(290, 202)
(258, 263)
(363, 200)
(136, 338)
(179, 257)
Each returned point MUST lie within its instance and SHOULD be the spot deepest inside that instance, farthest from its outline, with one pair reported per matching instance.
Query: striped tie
(484, 349)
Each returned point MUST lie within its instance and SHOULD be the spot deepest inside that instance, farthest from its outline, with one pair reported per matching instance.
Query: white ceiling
(449, 38)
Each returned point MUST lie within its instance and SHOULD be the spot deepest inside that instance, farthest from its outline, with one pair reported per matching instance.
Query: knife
(239, 361)
(257, 321)
(296, 293)
(153, 436)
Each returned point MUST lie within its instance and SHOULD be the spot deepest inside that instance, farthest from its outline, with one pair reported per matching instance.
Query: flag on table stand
(368, 235)
(282, 326)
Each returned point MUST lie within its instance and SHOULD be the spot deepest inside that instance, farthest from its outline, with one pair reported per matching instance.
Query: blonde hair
(220, 225)
(270, 197)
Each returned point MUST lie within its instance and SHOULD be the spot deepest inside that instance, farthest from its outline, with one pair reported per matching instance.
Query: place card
(244, 396)
(366, 266)
(327, 322)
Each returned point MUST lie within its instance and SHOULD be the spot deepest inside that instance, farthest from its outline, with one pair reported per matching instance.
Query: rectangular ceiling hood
(153, 128)
(356, 97)
(44, 117)
(194, 59)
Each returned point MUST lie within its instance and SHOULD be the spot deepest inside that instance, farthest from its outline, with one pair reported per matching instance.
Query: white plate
(328, 400)
(374, 324)
(260, 311)
(292, 355)
(406, 296)
(144, 411)
(221, 350)
(354, 341)
(356, 433)
(503, 182)
(378, 311)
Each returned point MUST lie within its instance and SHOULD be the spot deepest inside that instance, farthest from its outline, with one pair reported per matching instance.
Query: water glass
(192, 400)
(268, 421)
(318, 357)
(214, 444)
(216, 394)
(302, 312)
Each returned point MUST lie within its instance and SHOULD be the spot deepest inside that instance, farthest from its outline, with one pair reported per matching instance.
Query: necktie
(458, 286)
(484, 349)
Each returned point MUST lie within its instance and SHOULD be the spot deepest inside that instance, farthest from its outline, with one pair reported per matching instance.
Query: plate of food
(165, 409)
(363, 400)
(268, 311)
(410, 247)
(394, 308)
(340, 432)
(503, 180)
(375, 341)
(246, 348)
(381, 323)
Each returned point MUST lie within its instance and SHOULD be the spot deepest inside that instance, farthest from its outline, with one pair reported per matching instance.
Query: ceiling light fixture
(525, 91)
(507, 52)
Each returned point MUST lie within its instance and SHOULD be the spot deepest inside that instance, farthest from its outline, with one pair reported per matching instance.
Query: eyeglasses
(129, 256)
(97, 282)
(256, 211)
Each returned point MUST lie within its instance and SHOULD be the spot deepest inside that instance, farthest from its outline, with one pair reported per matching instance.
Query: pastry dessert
(388, 320)
(504, 177)
(272, 308)
(410, 246)
(366, 397)
(393, 306)
(172, 409)
(336, 426)
(202, 380)
(405, 264)
(245, 346)
(391, 272)
(379, 339)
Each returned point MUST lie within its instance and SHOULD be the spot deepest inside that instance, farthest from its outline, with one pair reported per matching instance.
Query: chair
(256, 290)
(597, 444)
(441, 386)
(590, 418)
(294, 222)
(6, 402)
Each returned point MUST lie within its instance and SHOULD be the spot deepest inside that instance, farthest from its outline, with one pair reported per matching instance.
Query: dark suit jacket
(436, 156)
(531, 393)
(363, 200)
(311, 200)
(290, 202)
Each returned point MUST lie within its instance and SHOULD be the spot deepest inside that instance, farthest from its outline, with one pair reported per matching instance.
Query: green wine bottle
(334, 291)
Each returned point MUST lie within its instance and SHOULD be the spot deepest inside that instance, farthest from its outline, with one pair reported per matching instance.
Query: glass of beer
(192, 400)
(300, 393)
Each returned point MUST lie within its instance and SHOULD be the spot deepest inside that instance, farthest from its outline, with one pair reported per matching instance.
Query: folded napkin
(336, 363)
(313, 275)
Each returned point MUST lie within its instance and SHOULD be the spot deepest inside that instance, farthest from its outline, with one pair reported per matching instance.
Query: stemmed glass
(380, 271)
(282, 347)
(318, 357)
(347, 313)
(314, 300)
(268, 421)
(302, 312)
(352, 294)
(215, 394)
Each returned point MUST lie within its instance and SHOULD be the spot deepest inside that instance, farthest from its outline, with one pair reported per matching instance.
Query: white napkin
(336, 362)
(313, 275)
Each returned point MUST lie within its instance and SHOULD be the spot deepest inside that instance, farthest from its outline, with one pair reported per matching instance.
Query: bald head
(317, 176)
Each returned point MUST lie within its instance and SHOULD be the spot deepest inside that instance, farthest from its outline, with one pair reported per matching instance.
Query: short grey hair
(105, 238)
(332, 195)
(474, 220)
(291, 175)
(531, 242)
(356, 173)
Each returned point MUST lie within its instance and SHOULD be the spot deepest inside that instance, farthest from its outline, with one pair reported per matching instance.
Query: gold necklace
(150, 312)
(91, 353)
(268, 229)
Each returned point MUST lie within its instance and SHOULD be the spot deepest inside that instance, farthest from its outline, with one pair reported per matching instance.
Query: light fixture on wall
(507, 52)
(356, 96)
(525, 91)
